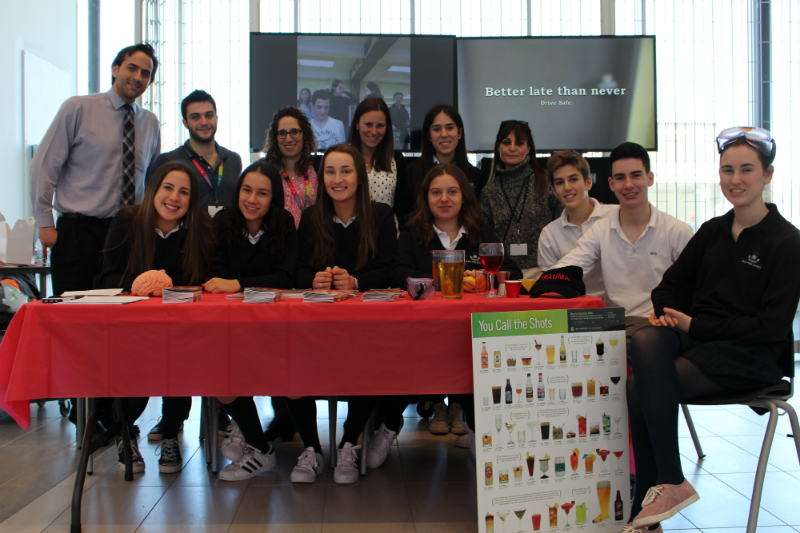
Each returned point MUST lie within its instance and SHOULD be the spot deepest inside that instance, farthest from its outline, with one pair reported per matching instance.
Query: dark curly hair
(274, 155)
(233, 230)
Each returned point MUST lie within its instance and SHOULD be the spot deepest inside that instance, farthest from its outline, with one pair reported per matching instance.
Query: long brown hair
(384, 152)
(521, 130)
(309, 141)
(421, 219)
(196, 229)
(322, 216)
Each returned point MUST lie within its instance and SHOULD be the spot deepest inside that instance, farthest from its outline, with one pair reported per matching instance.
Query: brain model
(150, 283)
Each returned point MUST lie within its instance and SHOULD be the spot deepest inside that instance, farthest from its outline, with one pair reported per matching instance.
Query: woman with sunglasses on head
(169, 232)
(304, 103)
(371, 134)
(443, 142)
(346, 242)
(257, 247)
(518, 201)
(723, 318)
(446, 217)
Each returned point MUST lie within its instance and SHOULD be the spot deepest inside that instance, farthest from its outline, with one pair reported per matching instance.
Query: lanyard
(301, 204)
(514, 216)
(203, 173)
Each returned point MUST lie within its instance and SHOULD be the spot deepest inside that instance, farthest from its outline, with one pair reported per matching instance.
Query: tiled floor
(427, 485)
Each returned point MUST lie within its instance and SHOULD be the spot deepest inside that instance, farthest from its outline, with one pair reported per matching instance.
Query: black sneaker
(170, 461)
(136, 456)
(155, 433)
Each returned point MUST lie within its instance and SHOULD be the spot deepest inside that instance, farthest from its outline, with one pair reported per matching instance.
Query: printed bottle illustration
(540, 388)
(529, 390)
(509, 392)
(484, 356)
(562, 352)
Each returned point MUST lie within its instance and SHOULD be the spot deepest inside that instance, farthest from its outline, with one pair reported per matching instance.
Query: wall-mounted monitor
(580, 93)
(410, 72)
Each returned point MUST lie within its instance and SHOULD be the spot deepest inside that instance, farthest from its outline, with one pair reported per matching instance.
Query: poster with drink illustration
(551, 421)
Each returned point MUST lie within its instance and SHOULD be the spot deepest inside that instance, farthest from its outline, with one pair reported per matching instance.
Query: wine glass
(615, 378)
(492, 259)
(519, 392)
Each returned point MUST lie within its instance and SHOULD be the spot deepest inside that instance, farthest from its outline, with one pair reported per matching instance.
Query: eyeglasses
(758, 138)
(294, 133)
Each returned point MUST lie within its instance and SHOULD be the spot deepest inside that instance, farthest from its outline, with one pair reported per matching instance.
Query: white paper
(104, 300)
(95, 292)
(20, 242)
(4, 231)
(519, 249)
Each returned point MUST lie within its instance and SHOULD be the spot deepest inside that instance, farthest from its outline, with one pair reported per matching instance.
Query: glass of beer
(451, 272)
(437, 284)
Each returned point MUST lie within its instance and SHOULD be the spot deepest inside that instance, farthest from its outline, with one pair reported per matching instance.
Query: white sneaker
(379, 445)
(309, 465)
(439, 424)
(252, 463)
(233, 444)
(346, 470)
(454, 419)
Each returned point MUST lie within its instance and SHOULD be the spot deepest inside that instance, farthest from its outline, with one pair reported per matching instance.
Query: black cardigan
(376, 273)
(412, 259)
(251, 264)
(168, 255)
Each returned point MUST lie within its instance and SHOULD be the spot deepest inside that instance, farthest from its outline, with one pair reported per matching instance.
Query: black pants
(77, 256)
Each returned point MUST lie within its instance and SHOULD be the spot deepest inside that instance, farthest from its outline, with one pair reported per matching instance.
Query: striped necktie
(128, 196)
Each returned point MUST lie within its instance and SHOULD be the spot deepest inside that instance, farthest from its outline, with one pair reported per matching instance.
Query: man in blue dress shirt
(94, 157)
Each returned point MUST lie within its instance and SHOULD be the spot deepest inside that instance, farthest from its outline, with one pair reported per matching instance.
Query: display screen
(580, 93)
(327, 76)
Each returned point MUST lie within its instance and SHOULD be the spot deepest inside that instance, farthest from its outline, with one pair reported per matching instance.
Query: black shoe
(425, 409)
(170, 461)
(136, 456)
(282, 428)
(155, 434)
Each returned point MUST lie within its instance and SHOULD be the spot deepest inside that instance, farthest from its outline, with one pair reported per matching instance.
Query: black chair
(763, 401)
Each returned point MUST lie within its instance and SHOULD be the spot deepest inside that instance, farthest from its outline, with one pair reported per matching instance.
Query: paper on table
(95, 292)
(105, 300)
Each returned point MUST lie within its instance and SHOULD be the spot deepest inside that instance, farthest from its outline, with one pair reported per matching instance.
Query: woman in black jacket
(257, 248)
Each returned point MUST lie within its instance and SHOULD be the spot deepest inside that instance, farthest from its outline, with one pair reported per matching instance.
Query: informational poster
(551, 421)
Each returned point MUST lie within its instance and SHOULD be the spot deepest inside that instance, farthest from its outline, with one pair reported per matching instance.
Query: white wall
(48, 29)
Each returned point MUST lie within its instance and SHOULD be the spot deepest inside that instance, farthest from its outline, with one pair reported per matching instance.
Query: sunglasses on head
(758, 138)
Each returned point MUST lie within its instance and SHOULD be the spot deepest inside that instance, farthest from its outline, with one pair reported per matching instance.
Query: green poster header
(544, 322)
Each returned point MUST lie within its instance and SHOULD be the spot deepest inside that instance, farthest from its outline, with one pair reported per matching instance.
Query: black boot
(281, 427)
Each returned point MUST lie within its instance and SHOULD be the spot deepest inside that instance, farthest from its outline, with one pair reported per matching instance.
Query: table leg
(213, 436)
(206, 422)
(365, 436)
(80, 407)
(333, 404)
(80, 476)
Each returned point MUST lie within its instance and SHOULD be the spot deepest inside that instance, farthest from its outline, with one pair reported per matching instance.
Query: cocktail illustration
(617, 420)
(577, 389)
(603, 496)
(580, 513)
(553, 514)
(496, 394)
(537, 521)
(530, 460)
(544, 466)
(510, 427)
(618, 455)
(615, 378)
(503, 515)
(551, 354)
(613, 340)
(590, 387)
(489, 523)
(503, 478)
(603, 454)
(532, 427)
(560, 467)
(574, 459)
(581, 425)
(498, 423)
(520, 513)
(606, 424)
(519, 392)
(518, 474)
(567, 506)
(538, 346)
(545, 430)
(589, 460)
(601, 349)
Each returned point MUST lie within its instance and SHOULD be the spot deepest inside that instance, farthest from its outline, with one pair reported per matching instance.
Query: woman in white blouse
(385, 165)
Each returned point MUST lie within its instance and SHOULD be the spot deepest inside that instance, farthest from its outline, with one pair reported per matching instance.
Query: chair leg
(205, 426)
(365, 437)
(333, 405)
(692, 431)
(213, 436)
(792, 414)
(203, 407)
(758, 485)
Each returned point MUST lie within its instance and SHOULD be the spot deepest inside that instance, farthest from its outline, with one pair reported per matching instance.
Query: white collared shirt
(161, 234)
(560, 236)
(339, 220)
(254, 238)
(446, 238)
(630, 271)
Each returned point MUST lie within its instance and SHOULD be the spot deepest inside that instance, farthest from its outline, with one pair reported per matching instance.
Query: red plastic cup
(513, 288)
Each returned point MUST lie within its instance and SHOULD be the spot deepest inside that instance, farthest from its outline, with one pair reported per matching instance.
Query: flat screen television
(411, 73)
(580, 93)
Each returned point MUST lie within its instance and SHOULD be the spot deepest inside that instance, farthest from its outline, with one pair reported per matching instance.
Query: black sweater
(168, 255)
(412, 259)
(251, 264)
(376, 273)
(744, 290)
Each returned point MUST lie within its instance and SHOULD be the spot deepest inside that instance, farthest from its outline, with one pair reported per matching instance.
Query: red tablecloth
(219, 347)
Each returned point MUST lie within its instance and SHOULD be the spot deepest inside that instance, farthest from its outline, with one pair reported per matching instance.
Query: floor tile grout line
(749, 499)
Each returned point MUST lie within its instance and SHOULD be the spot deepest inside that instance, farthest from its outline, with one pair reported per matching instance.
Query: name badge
(213, 210)
(519, 249)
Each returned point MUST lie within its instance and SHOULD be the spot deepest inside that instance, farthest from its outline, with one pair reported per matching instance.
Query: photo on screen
(335, 75)
(580, 93)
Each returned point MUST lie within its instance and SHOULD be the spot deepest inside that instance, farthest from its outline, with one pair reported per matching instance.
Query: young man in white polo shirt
(568, 173)
(634, 247)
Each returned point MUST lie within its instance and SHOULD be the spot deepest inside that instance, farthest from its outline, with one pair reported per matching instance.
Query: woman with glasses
(518, 201)
(723, 318)
(289, 148)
